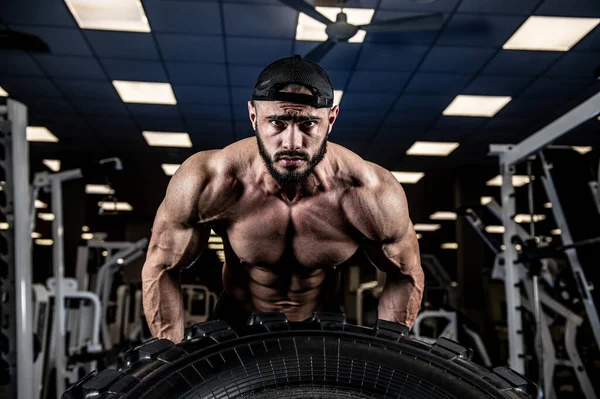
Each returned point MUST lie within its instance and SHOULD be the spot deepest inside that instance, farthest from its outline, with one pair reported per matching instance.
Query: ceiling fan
(341, 30)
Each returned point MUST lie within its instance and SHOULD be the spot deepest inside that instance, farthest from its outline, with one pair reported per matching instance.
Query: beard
(291, 175)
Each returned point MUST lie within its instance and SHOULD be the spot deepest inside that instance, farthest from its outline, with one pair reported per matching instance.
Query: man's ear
(252, 114)
(333, 114)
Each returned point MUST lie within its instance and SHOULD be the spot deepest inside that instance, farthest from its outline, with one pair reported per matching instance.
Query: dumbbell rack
(16, 356)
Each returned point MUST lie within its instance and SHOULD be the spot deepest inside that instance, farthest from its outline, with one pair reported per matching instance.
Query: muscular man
(290, 206)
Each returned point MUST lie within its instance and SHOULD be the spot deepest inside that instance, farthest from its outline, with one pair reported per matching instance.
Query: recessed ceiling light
(337, 96)
(46, 216)
(482, 106)
(555, 232)
(40, 134)
(494, 229)
(548, 205)
(46, 242)
(52, 164)
(118, 15)
(85, 229)
(3, 226)
(35, 234)
(550, 33)
(87, 236)
(449, 245)
(426, 227)
(408, 177)
(525, 218)
(313, 30)
(170, 168)
(581, 149)
(443, 216)
(112, 206)
(145, 92)
(517, 180)
(98, 189)
(3, 93)
(40, 204)
(431, 148)
(167, 139)
(485, 200)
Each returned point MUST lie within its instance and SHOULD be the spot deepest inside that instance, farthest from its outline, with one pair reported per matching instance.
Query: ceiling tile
(62, 41)
(377, 81)
(351, 133)
(244, 76)
(201, 111)
(579, 8)
(447, 134)
(154, 110)
(246, 51)
(440, 5)
(437, 83)
(361, 118)
(17, 86)
(422, 103)
(32, 12)
(366, 100)
(191, 17)
(96, 89)
(376, 56)
(497, 85)
(412, 119)
(460, 60)
(187, 73)
(71, 67)
(191, 48)
(160, 125)
(557, 87)
(459, 122)
(249, 20)
(519, 7)
(18, 63)
(590, 42)
(411, 37)
(241, 95)
(131, 45)
(479, 30)
(215, 95)
(343, 55)
(99, 107)
(135, 70)
(576, 64)
(514, 63)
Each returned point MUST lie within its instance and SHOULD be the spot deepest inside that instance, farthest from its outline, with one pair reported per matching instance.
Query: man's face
(292, 138)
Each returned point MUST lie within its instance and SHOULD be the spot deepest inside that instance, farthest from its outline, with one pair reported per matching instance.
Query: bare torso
(281, 253)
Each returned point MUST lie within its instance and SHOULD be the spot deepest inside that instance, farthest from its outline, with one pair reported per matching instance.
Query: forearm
(401, 298)
(163, 303)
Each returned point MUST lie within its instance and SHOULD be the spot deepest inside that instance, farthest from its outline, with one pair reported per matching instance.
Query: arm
(392, 246)
(177, 240)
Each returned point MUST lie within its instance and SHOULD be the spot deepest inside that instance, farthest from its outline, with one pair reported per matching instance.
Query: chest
(311, 233)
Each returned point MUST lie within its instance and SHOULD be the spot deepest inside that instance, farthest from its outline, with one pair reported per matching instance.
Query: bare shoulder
(376, 204)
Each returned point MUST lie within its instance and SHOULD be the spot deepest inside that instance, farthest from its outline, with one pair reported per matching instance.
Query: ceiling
(395, 85)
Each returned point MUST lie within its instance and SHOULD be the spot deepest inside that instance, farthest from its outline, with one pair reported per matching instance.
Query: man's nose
(292, 138)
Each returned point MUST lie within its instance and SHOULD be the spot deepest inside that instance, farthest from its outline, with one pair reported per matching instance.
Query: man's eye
(308, 124)
(277, 123)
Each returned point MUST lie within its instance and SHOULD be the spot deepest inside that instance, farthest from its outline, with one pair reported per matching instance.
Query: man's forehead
(283, 108)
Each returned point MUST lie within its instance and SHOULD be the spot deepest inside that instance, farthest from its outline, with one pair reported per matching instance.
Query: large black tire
(325, 357)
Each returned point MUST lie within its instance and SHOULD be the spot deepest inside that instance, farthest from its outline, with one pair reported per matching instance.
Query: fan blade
(317, 54)
(421, 22)
(302, 6)
(10, 39)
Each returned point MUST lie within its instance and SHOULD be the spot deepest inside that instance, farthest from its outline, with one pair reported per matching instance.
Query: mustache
(290, 154)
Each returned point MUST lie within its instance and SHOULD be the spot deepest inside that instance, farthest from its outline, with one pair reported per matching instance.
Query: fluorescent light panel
(478, 106)
(485, 200)
(167, 139)
(540, 33)
(117, 15)
(145, 92)
(449, 245)
(419, 236)
(525, 218)
(431, 148)
(3, 93)
(581, 149)
(494, 229)
(35, 234)
(46, 216)
(3, 226)
(440, 215)
(548, 205)
(46, 242)
(119, 206)
(408, 177)
(555, 232)
(426, 227)
(52, 164)
(40, 204)
(517, 181)
(337, 96)
(215, 246)
(215, 240)
(170, 168)
(87, 236)
(40, 134)
(98, 189)
(313, 30)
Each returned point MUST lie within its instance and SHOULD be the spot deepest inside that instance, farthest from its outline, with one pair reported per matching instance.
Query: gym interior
(485, 111)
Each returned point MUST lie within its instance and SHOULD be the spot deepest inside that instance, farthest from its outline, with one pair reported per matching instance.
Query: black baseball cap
(294, 70)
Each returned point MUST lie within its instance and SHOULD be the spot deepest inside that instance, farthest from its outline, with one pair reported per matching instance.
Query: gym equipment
(324, 357)
(548, 306)
(16, 356)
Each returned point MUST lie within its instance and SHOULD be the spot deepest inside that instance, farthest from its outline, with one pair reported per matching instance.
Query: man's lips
(290, 161)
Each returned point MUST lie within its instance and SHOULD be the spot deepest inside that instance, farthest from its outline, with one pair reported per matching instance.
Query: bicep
(398, 254)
